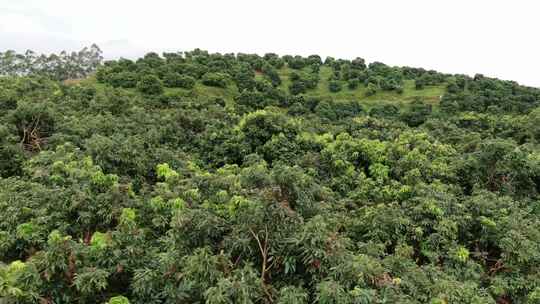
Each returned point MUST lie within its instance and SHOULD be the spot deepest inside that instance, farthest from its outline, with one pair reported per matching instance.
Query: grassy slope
(430, 94)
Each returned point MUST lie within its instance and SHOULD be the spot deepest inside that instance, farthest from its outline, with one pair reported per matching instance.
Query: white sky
(492, 37)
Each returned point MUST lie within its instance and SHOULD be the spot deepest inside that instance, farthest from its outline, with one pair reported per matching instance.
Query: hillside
(237, 178)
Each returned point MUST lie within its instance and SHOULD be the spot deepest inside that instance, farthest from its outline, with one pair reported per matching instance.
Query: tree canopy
(197, 177)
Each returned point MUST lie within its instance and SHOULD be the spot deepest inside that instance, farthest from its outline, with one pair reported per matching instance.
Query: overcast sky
(492, 37)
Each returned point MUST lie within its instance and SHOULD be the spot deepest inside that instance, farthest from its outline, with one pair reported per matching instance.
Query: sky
(492, 37)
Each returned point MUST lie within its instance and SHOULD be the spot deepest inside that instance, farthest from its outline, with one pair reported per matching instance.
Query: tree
(62, 66)
(419, 83)
(250, 194)
(11, 155)
(245, 79)
(314, 60)
(385, 110)
(242, 287)
(334, 86)
(297, 87)
(297, 62)
(358, 63)
(259, 127)
(371, 89)
(123, 79)
(274, 60)
(272, 74)
(417, 113)
(353, 83)
(292, 295)
(150, 84)
(533, 124)
(176, 80)
(499, 165)
(252, 100)
(215, 80)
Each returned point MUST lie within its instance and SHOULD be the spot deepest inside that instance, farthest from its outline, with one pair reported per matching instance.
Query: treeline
(234, 178)
(62, 66)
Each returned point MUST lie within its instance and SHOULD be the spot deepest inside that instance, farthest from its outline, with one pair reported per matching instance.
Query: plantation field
(239, 178)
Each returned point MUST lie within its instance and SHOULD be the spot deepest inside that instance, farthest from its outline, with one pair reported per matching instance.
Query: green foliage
(461, 254)
(271, 73)
(329, 292)
(123, 79)
(243, 286)
(353, 83)
(258, 179)
(62, 66)
(334, 86)
(128, 216)
(118, 300)
(371, 89)
(259, 127)
(292, 295)
(302, 81)
(534, 296)
(98, 241)
(91, 281)
(176, 80)
(417, 113)
(219, 80)
(297, 87)
(150, 84)
(165, 172)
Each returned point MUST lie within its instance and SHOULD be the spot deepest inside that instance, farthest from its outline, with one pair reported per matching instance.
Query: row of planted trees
(183, 70)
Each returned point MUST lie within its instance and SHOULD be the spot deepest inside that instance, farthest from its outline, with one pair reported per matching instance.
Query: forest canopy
(197, 177)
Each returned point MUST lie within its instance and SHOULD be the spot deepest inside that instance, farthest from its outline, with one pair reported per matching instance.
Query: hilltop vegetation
(237, 178)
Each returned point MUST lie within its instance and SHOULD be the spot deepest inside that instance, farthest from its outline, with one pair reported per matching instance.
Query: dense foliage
(237, 178)
(60, 66)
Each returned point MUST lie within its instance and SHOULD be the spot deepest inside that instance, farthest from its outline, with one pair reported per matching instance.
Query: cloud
(18, 23)
(115, 49)
(40, 42)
